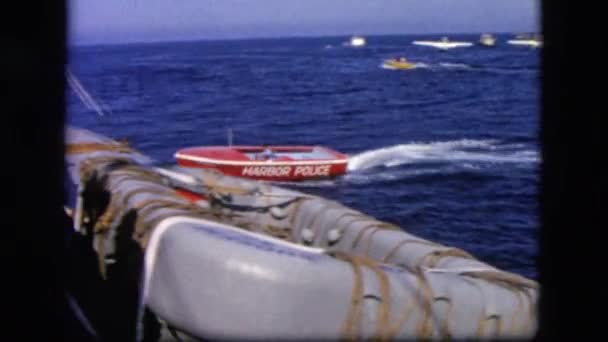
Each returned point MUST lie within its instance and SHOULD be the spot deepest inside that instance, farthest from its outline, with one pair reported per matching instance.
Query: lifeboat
(398, 64)
(269, 163)
(226, 257)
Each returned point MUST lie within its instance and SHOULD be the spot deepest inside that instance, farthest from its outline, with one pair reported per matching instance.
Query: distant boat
(443, 44)
(487, 40)
(356, 41)
(398, 64)
(526, 40)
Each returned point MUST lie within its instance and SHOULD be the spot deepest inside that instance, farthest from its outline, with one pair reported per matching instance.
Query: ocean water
(449, 151)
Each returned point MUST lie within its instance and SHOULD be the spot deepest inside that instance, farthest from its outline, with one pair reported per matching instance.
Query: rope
(278, 232)
(103, 223)
(333, 206)
(424, 328)
(445, 328)
(153, 204)
(213, 185)
(351, 325)
(266, 194)
(376, 225)
(134, 170)
(381, 226)
(89, 166)
(383, 325)
(512, 282)
(363, 218)
(143, 208)
(384, 329)
(97, 147)
(431, 259)
(105, 220)
(404, 242)
(126, 197)
(515, 283)
(425, 297)
(358, 217)
(503, 277)
(482, 324)
(394, 330)
(347, 214)
(119, 179)
(101, 254)
(190, 209)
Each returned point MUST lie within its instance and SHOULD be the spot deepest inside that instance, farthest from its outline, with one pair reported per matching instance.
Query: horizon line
(271, 37)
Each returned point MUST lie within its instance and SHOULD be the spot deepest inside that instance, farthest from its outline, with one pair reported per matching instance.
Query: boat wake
(455, 66)
(387, 67)
(465, 151)
(438, 66)
(326, 183)
(414, 160)
(492, 70)
(446, 66)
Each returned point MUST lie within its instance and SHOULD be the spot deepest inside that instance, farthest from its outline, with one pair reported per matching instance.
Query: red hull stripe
(258, 163)
(271, 171)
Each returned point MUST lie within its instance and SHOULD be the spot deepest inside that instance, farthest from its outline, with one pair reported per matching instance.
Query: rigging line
(76, 89)
(84, 96)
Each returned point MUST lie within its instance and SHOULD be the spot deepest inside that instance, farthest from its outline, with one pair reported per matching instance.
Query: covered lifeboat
(240, 259)
(270, 163)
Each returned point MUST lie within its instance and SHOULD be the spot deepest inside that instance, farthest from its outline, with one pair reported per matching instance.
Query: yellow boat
(401, 64)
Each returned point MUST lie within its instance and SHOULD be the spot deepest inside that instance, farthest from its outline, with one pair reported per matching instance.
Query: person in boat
(266, 154)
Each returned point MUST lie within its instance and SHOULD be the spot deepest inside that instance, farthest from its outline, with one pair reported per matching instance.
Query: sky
(125, 21)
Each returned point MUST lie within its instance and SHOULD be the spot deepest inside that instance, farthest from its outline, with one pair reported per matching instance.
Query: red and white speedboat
(289, 163)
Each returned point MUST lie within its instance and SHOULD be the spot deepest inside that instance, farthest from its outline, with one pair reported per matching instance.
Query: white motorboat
(356, 41)
(487, 40)
(443, 44)
(526, 40)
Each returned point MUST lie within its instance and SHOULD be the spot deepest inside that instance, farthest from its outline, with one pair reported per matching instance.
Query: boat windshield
(314, 153)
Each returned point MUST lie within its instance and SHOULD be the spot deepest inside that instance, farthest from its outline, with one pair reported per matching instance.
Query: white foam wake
(465, 150)
(455, 65)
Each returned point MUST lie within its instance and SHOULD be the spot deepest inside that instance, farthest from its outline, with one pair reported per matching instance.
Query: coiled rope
(351, 326)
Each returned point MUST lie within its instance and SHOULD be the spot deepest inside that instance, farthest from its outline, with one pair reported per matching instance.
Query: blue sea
(449, 151)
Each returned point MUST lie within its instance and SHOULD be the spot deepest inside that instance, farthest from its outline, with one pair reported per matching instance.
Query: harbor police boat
(270, 163)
